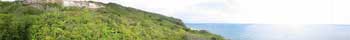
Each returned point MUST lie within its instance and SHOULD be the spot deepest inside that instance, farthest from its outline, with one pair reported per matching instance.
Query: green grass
(113, 22)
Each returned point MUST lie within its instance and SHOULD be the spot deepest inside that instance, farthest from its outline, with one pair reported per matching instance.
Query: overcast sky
(248, 11)
(190, 11)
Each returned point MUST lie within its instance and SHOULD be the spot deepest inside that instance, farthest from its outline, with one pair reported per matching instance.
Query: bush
(114, 22)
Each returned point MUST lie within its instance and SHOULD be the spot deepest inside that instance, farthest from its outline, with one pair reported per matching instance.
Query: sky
(290, 15)
(190, 11)
(248, 11)
(291, 19)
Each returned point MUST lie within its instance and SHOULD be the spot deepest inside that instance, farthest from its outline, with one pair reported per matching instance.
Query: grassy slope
(114, 22)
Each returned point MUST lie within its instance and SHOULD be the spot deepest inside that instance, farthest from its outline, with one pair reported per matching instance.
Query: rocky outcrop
(67, 3)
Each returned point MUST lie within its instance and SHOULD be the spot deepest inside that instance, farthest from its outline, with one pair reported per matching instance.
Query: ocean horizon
(275, 31)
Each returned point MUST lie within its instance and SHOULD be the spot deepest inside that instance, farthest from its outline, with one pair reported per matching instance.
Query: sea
(275, 31)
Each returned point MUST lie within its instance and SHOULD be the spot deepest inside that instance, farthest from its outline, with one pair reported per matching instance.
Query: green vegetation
(20, 21)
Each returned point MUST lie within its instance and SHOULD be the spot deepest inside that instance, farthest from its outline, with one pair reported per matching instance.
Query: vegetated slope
(113, 22)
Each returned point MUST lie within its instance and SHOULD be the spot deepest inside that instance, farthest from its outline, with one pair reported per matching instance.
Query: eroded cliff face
(113, 22)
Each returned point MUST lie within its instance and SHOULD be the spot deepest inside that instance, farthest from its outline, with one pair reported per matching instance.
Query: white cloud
(284, 11)
(191, 11)
(341, 12)
(248, 11)
(7, 0)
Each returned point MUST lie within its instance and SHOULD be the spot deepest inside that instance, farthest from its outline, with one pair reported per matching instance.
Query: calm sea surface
(275, 31)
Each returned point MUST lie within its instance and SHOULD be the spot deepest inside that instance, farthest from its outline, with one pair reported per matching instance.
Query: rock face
(87, 4)
(42, 1)
(112, 22)
(76, 3)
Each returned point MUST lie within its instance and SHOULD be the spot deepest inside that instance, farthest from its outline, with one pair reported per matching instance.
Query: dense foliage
(20, 21)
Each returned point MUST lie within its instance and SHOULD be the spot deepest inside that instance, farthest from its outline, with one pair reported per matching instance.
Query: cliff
(19, 21)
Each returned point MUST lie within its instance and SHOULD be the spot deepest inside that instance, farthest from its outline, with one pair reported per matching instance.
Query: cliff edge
(20, 21)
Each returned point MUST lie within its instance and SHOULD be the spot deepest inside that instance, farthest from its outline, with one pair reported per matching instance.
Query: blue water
(275, 31)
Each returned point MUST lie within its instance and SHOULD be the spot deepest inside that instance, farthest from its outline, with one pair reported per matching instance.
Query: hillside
(20, 21)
